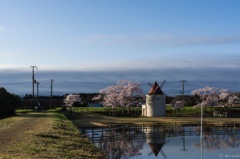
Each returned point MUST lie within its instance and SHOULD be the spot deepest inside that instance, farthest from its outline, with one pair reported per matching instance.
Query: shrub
(8, 102)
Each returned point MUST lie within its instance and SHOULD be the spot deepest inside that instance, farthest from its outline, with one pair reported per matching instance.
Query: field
(91, 117)
(43, 135)
(55, 134)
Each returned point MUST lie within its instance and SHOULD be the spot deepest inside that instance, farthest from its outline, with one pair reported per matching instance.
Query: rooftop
(155, 89)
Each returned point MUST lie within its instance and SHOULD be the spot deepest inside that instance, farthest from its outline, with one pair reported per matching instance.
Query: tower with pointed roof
(155, 102)
(155, 138)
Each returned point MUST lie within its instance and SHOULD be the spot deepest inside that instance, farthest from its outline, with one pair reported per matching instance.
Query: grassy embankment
(43, 135)
(88, 117)
(52, 135)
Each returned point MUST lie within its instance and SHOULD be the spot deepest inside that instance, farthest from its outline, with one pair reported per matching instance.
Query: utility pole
(33, 82)
(37, 91)
(183, 81)
(51, 93)
(37, 95)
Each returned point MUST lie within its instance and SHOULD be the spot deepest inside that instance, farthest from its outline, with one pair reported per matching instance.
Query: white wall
(155, 105)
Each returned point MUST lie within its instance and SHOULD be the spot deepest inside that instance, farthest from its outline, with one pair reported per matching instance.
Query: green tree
(8, 102)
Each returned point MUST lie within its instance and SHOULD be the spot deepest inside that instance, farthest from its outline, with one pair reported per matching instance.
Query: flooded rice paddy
(167, 141)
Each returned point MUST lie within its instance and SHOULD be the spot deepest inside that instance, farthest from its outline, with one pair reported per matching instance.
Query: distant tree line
(124, 94)
(57, 100)
(189, 100)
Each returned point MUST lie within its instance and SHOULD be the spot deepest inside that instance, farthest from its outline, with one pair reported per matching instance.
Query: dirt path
(13, 130)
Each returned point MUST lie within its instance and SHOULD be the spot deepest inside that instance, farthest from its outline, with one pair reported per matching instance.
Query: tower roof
(155, 89)
(156, 148)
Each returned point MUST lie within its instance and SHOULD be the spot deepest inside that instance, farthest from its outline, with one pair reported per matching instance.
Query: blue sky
(119, 38)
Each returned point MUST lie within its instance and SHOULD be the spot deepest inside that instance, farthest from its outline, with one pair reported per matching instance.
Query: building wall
(154, 135)
(144, 110)
(155, 105)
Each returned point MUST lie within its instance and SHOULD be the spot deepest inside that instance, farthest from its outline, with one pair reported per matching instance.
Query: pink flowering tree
(72, 99)
(120, 95)
(211, 96)
(178, 105)
(228, 98)
(233, 99)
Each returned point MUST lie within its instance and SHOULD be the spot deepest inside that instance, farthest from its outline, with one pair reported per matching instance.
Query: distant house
(94, 105)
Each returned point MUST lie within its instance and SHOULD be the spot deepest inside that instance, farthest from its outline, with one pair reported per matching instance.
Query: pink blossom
(71, 99)
(211, 96)
(121, 94)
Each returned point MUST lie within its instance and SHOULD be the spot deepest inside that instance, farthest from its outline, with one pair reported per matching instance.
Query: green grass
(91, 109)
(171, 111)
(93, 119)
(64, 141)
(55, 136)
(24, 110)
(136, 112)
(188, 111)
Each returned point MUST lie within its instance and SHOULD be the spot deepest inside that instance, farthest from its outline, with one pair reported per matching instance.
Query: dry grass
(51, 135)
(44, 135)
(88, 119)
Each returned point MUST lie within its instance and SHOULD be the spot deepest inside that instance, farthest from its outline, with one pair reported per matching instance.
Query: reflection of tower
(155, 102)
(155, 138)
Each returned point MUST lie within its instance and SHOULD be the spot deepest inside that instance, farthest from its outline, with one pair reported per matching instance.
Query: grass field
(90, 118)
(43, 135)
(55, 134)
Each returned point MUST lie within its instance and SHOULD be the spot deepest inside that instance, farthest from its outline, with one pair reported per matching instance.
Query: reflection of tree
(126, 142)
(120, 143)
(213, 140)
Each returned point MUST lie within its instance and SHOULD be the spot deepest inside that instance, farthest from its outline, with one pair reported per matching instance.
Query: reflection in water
(155, 138)
(118, 142)
(215, 139)
(161, 140)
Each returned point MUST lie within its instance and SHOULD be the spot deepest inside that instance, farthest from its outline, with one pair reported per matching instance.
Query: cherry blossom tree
(120, 95)
(211, 96)
(178, 105)
(71, 99)
(208, 95)
(233, 99)
(228, 98)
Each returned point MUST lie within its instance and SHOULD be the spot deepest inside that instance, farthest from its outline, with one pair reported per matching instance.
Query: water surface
(167, 141)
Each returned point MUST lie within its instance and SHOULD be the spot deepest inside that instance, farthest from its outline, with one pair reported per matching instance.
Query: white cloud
(178, 62)
(167, 39)
(12, 66)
